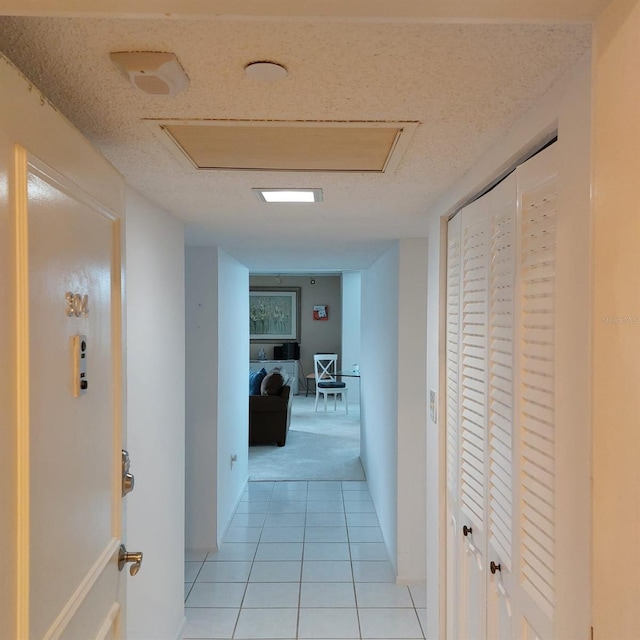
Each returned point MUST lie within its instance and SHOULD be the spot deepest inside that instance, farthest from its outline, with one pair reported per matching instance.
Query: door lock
(124, 557)
(128, 481)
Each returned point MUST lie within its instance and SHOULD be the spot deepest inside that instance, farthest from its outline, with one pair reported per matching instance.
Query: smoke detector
(157, 73)
(265, 71)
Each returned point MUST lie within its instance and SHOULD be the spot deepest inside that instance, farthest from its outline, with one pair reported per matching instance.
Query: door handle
(494, 567)
(128, 482)
(466, 531)
(124, 557)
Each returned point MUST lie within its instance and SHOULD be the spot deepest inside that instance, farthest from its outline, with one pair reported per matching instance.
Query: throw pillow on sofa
(255, 381)
(272, 384)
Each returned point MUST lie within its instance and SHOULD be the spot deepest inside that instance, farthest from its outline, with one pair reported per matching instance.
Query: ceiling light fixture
(265, 71)
(288, 195)
(158, 73)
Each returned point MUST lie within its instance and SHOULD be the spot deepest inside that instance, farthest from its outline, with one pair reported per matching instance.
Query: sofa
(270, 412)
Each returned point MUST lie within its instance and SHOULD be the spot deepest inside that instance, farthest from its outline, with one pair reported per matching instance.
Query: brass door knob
(128, 482)
(124, 557)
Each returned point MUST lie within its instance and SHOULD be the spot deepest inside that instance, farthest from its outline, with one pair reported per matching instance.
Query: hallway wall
(379, 370)
(155, 410)
(233, 404)
(201, 437)
(616, 318)
(351, 323)
(393, 418)
(412, 409)
(217, 398)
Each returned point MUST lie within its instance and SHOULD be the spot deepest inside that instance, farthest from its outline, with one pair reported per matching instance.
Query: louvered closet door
(454, 542)
(472, 446)
(536, 400)
(507, 423)
(500, 478)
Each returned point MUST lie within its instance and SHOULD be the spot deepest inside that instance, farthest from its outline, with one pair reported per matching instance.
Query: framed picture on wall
(274, 314)
(320, 312)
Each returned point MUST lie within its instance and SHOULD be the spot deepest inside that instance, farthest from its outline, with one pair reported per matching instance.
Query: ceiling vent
(154, 72)
(265, 145)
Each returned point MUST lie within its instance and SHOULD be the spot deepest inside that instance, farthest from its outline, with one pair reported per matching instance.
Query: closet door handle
(493, 567)
(466, 531)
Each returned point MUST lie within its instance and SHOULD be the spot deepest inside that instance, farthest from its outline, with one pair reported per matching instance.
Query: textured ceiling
(465, 83)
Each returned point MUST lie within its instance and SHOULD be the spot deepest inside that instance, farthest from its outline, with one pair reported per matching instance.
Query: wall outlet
(433, 405)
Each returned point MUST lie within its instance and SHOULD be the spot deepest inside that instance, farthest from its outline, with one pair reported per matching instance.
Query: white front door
(70, 409)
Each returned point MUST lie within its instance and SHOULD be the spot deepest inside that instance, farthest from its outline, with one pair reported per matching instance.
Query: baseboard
(181, 628)
(223, 532)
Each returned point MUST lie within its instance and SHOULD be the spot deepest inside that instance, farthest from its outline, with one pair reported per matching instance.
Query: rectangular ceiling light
(289, 195)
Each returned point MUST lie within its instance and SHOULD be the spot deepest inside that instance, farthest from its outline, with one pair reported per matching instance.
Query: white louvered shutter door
(536, 424)
(454, 544)
(453, 354)
(476, 234)
(502, 204)
(473, 364)
(519, 419)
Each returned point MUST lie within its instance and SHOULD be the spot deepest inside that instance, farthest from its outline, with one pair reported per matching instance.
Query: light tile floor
(301, 560)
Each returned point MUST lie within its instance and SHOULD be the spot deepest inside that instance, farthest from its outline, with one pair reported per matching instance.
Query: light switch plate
(433, 405)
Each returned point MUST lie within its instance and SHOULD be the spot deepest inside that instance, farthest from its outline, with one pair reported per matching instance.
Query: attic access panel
(373, 147)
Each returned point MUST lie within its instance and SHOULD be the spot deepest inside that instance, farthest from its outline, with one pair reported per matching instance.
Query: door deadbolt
(124, 557)
(128, 481)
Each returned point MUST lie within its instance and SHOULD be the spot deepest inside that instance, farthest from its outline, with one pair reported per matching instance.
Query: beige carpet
(320, 446)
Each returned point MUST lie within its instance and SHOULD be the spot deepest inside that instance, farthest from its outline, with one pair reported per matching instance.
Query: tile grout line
(353, 575)
(271, 498)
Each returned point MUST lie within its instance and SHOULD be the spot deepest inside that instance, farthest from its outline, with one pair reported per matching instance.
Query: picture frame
(320, 312)
(274, 314)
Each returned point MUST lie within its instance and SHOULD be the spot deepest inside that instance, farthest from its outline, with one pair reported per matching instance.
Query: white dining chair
(327, 383)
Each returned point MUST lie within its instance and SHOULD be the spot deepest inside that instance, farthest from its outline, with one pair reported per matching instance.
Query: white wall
(351, 322)
(616, 328)
(201, 304)
(566, 106)
(435, 437)
(393, 366)
(412, 408)
(217, 422)
(155, 411)
(379, 388)
(233, 388)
